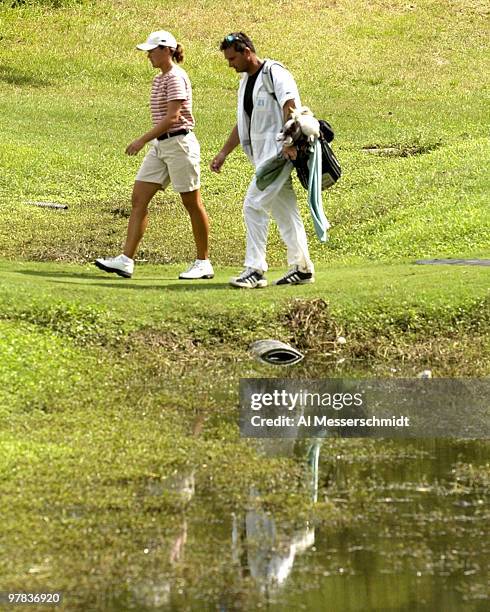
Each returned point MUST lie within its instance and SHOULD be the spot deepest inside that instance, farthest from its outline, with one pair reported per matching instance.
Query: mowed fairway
(123, 476)
(405, 87)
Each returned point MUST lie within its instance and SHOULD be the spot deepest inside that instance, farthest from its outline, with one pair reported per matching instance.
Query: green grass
(113, 392)
(109, 389)
(75, 92)
(365, 303)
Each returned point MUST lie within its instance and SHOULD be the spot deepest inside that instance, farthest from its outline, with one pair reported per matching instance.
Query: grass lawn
(404, 86)
(111, 391)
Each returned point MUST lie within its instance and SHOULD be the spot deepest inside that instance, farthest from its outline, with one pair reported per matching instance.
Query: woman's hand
(135, 147)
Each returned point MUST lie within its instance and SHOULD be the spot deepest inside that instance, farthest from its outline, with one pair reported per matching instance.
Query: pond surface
(415, 536)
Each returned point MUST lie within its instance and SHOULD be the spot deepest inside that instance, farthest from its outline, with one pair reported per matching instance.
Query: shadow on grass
(115, 281)
(136, 285)
(178, 286)
(81, 275)
(13, 76)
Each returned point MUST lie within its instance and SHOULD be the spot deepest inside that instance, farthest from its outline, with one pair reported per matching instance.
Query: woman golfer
(174, 158)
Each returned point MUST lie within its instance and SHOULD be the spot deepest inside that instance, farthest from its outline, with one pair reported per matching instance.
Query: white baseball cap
(156, 39)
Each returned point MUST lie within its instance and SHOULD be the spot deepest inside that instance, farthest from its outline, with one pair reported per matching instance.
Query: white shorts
(176, 160)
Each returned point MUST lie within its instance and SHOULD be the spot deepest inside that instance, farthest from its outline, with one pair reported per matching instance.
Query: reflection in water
(262, 548)
(157, 593)
(269, 555)
(417, 539)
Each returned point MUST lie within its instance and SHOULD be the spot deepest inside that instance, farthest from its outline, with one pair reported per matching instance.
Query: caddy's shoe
(296, 277)
(249, 279)
(201, 268)
(120, 265)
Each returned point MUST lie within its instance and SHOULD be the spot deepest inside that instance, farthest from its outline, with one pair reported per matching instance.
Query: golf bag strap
(267, 79)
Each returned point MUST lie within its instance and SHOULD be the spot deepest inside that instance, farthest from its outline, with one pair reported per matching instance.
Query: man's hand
(290, 152)
(217, 162)
(135, 147)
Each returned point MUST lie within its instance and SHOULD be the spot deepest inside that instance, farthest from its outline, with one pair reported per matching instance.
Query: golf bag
(331, 170)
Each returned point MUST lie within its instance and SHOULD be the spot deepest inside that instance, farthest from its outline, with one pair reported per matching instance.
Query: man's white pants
(279, 200)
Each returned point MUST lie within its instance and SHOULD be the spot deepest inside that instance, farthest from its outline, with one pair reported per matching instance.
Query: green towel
(269, 171)
(320, 221)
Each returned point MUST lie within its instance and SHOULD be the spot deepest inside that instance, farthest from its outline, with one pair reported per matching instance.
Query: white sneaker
(120, 265)
(201, 268)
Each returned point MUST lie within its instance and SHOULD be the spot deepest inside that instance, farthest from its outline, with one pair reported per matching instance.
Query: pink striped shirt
(173, 85)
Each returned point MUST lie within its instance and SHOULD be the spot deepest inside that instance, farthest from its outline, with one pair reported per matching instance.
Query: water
(409, 532)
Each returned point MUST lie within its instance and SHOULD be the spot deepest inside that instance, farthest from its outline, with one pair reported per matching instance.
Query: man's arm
(232, 142)
(288, 152)
(172, 116)
(287, 109)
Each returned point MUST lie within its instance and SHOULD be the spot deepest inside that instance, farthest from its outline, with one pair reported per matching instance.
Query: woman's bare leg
(138, 220)
(199, 221)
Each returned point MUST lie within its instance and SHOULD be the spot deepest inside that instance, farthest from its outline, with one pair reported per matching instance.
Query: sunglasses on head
(231, 38)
